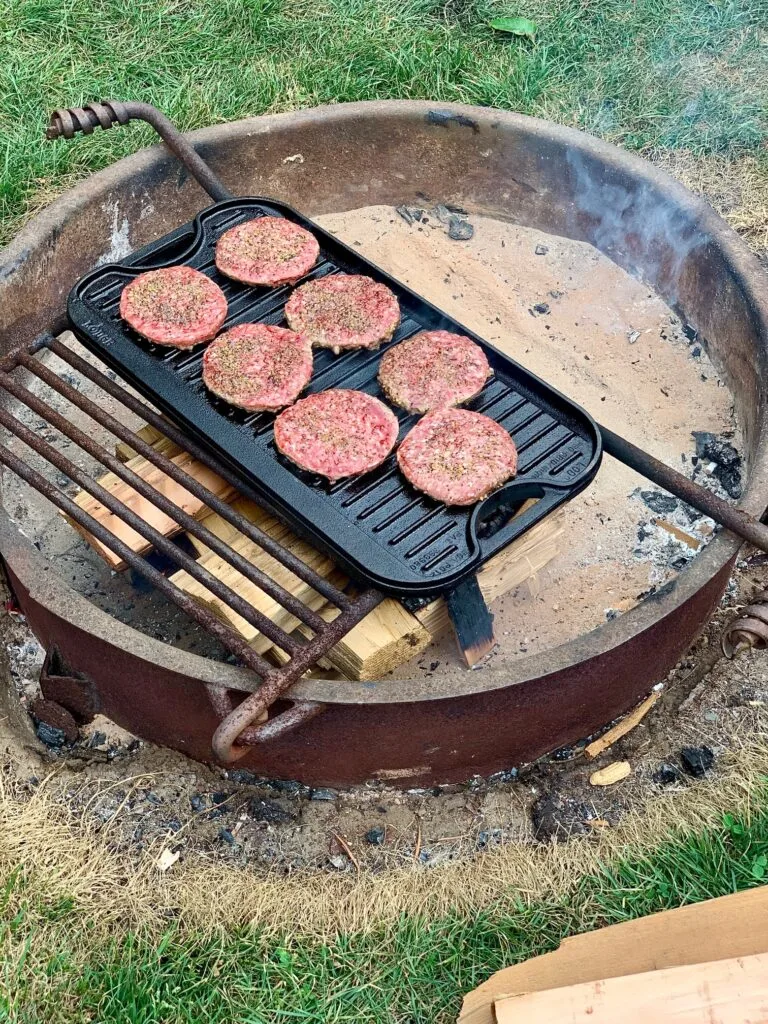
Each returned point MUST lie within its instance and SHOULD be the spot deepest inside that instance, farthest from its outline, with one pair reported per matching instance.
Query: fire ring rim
(36, 574)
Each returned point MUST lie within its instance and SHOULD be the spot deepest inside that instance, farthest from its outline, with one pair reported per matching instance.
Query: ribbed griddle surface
(377, 526)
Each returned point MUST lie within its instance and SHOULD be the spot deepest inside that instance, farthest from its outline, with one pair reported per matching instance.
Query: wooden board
(269, 565)
(515, 565)
(386, 638)
(731, 926)
(144, 508)
(731, 991)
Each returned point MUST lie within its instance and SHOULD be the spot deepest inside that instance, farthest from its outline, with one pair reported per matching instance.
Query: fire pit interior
(567, 272)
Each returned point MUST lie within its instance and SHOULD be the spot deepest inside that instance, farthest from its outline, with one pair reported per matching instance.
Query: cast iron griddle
(383, 531)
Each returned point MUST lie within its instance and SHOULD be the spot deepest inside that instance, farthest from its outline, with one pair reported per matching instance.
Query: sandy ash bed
(607, 341)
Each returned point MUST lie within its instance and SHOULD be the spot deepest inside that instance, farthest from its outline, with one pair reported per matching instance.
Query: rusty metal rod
(226, 636)
(234, 730)
(258, 620)
(731, 517)
(66, 122)
(187, 522)
(229, 514)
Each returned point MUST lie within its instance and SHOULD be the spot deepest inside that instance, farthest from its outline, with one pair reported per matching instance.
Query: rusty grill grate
(236, 731)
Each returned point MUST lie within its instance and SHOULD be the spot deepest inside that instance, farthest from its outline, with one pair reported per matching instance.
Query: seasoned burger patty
(433, 369)
(337, 433)
(257, 367)
(267, 251)
(457, 456)
(343, 311)
(174, 306)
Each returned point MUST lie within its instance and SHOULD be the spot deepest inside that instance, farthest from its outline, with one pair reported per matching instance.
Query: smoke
(639, 230)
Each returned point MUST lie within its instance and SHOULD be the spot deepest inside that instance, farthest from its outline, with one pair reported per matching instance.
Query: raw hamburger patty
(457, 456)
(337, 433)
(174, 306)
(267, 251)
(257, 367)
(433, 369)
(343, 311)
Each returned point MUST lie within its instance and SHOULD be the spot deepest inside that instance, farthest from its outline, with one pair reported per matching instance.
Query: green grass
(409, 973)
(644, 73)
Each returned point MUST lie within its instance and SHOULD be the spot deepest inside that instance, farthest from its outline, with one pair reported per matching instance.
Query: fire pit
(452, 723)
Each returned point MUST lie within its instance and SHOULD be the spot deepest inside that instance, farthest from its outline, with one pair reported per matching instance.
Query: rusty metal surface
(450, 725)
(66, 122)
(233, 735)
(413, 742)
(749, 628)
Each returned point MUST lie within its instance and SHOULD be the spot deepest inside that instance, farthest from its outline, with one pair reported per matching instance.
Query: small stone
(269, 811)
(338, 862)
(152, 798)
(563, 754)
(376, 836)
(459, 230)
(666, 775)
(243, 777)
(697, 761)
(542, 308)
(633, 336)
(541, 250)
(50, 735)
(410, 214)
(507, 775)
(489, 837)
(173, 825)
(659, 502)
(696, 351)
(287, 786)
(322, 794)
(226, 836)
(197, 802)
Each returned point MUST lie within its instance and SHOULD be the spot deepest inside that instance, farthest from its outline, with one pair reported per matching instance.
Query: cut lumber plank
(150, 435)
(595, 749)
(386, 637)
(223, 571)
(733, 991)
(144, 508)
(389, 635)
(513, 566)
(719, 929)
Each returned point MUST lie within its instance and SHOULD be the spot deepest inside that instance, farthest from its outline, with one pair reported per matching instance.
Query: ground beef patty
(457, 456)
(337, 433)
(433, 369)
(343, 311)
(174, 306)
(267, 251)
(257, 367)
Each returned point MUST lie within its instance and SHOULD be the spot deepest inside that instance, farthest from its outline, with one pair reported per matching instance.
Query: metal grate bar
(155, 538)
(187, 522)
(226, 636)
(230, 515)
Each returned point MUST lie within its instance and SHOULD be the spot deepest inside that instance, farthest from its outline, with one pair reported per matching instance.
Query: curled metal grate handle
(749, 629)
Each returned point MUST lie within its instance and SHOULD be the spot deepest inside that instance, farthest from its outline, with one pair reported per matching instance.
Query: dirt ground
(656, 391)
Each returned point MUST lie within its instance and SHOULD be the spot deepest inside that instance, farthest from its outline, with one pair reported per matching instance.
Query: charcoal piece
(697, 761)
